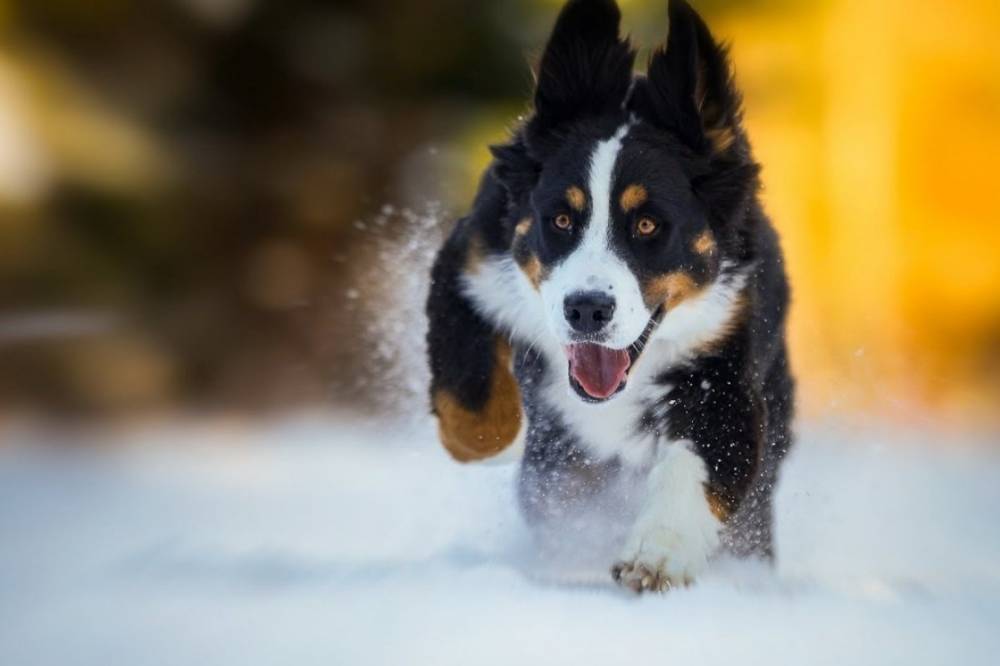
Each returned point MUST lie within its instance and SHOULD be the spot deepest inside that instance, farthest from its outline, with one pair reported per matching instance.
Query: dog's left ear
(689, 89)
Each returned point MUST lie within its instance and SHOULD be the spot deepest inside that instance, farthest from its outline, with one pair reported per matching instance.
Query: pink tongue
(597, 369)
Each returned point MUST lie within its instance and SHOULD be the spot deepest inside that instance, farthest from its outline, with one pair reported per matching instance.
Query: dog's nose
(588, 311)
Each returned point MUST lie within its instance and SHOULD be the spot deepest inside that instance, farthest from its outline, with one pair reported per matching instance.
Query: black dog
(616, 301)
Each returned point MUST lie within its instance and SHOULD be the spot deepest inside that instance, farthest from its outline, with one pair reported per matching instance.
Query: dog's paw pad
(642, 577)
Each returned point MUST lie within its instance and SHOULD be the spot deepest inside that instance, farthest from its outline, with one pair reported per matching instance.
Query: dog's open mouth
(597, 372)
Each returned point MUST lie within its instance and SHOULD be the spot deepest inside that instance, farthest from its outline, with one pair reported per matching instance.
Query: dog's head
(626, 191)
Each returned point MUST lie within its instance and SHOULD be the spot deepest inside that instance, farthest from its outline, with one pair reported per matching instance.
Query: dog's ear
(514, 168)
(689, 89)
(586, 69)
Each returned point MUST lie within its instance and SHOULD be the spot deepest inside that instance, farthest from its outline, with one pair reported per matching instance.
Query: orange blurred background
(876, 123)
(230, 161)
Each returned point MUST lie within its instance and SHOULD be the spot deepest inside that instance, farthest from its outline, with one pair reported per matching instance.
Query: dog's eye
(646, 227)
(562, 222)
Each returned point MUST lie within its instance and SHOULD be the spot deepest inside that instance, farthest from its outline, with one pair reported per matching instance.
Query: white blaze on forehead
(593, 265)
(602, 172)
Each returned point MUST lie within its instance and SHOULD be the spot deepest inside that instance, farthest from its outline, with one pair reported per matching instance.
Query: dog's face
(614, 239)
(624, 189)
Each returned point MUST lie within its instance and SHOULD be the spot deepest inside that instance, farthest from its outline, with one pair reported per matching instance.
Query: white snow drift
(313, 541)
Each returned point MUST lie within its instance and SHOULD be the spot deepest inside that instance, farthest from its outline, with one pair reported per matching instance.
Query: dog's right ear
(586, 69)
(515, 169)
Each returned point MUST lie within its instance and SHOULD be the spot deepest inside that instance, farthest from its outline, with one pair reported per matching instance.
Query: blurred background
(208, 205)
(216, 220)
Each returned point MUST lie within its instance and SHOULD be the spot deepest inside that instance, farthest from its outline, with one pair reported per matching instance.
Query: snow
(335, 541)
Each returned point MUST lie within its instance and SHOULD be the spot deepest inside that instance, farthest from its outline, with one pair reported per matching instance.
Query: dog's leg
(727, 421)
(677, 530)
(473, 391)
(749, 531)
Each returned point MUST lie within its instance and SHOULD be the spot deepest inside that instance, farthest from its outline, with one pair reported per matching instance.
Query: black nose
(588, 311)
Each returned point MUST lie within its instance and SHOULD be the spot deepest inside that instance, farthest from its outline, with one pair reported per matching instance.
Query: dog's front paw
(642, 577)
(676, 532)
(659, 561)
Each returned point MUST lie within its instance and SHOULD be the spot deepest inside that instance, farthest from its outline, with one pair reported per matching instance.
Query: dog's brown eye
(646, 226)
(563, 222)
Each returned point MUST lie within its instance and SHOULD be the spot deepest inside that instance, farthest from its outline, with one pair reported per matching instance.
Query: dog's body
(616, 301)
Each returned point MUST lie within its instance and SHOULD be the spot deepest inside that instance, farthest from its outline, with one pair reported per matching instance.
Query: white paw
(663, 558)
(676, 532)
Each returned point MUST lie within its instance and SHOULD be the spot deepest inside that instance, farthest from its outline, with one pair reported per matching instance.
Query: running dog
(615, 303)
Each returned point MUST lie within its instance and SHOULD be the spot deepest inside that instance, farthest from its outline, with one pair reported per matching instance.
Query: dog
(615, 304)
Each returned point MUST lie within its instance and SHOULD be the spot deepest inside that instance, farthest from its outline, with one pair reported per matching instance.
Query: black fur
(460, 341)
(740, 424)
(585, 72)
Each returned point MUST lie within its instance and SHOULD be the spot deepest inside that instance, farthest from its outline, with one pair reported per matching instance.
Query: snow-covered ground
(324, 541)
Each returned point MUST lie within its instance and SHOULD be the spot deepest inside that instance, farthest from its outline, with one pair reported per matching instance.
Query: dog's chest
(617, 429)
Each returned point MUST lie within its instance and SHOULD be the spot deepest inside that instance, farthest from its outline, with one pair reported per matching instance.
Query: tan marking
(705, 243)
(721, 138)
(474, 435)
(713, 344)
(532, 267)
(736, 318)
(633, 197)
(526, 260)
(670, 290)
(576, 198)
(717, 505)
(720, 134)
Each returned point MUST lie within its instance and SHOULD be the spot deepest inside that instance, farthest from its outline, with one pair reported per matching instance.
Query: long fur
(699, 303)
